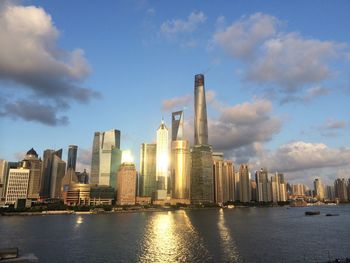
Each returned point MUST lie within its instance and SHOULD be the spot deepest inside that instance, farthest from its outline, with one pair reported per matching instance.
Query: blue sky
(277, 77)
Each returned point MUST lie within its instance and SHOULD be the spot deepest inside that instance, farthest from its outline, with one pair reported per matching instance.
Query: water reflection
(171, 237)
(79, 220)
(227, 243)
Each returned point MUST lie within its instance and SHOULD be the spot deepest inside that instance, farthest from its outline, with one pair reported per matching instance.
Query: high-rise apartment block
(341, 190)
(319, 189)
(223, 179)
(245, 191)
(263, 186)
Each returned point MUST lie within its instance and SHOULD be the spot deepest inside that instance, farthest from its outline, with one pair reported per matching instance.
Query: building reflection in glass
(227, 243)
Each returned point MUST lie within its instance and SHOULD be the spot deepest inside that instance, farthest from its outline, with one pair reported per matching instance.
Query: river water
(276, 234)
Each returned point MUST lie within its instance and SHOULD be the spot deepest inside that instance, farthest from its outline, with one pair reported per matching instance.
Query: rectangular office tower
(106, 158)
(53, 171)
(148, 153)
(202, 182)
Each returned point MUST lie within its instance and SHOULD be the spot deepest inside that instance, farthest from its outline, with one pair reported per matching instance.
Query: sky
(277, 78)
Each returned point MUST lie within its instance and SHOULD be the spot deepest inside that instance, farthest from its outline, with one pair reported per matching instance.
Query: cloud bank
(31, 63)
(283, 62)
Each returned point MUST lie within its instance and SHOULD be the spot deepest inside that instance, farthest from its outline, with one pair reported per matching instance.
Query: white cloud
(172, 27)
(242, 37)
(301, 156)
(285, 62)
(31, 60)
(243, 125)
(176, 103)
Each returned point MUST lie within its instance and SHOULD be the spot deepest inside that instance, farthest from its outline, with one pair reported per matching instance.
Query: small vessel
(312, 213)
(230, 206)
(332, 214)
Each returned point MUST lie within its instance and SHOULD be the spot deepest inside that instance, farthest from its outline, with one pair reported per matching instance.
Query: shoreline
(162, 209)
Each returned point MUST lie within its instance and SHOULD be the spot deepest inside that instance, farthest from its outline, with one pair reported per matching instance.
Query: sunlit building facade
(162, 165)
(222, 174)
(180, 158)
(126, 193)
(319, 189)
(104, 157)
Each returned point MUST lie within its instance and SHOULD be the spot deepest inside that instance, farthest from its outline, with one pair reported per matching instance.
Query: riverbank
(119, 210)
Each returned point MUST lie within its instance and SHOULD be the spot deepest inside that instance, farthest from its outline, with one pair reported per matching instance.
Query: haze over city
(277, 78)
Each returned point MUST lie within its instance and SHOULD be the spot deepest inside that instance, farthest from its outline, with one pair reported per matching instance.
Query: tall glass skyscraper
(53, 171)
(103, 151)
(202, 183)
(148, 157)
(72, 157)
(200, 112)
(162, 160)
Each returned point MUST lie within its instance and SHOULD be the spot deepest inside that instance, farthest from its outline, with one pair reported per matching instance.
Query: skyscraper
(245, 191)
(17, 184)
(103, 151)
(72, 157)
(162, 161)
(177, 125)
(202, 181)
(180, 159)
(58, 170)
(263, 187)
(319, 189)
(52, 173)
(221, 179)
(126, 183)
(340, 189)
(35, 166)
(200, 111)
(148, 157)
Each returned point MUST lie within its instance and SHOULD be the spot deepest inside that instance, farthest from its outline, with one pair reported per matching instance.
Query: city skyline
(296, 122)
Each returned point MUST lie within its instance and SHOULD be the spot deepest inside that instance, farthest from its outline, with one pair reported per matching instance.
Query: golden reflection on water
(79, 220)
(227, 243)
(170, 237)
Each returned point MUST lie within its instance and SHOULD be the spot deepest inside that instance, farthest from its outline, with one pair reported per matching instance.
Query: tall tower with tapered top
(200, 111)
